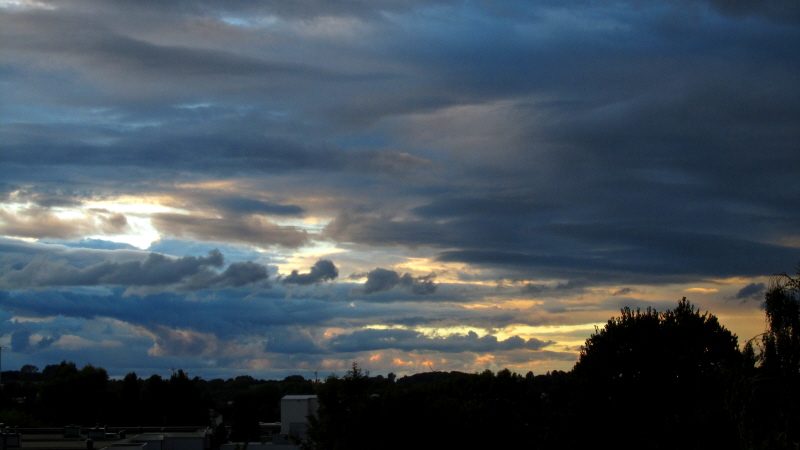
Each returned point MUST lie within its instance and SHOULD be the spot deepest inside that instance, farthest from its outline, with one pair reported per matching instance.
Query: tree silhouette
(70, 395)
(767, 399)
(344, 418)
(660, 375)
(781, 356)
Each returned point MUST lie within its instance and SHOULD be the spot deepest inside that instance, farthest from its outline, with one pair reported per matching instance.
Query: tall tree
(658, 375)
(768, 401)
(781, 356)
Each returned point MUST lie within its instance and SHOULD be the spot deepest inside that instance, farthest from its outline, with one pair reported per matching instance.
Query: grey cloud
(188, 272)
(410, 340)
(251, 229)
(170, 342)
(231, 144)
(649, 255)
(231, 313)
(242, 273)
(422, 285)
(48, 198)
(571, 286)
(381, 280)
(235, 275)
(124, 55)
(155, 270)
(242, 205)
(291, 341)
(751, 291)
(36, 222)
(322, 270)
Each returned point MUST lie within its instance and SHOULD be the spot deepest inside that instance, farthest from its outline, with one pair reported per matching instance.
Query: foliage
(766, 398)
(672, 379)
(436, 410)
(670, 364)
(343, 418)
(781, 355)
(70, 395)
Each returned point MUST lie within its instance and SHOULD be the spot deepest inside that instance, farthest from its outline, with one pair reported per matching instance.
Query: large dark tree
(781, 356)
(344, 418)
(656, 380)
(767, 401)
(70, 395)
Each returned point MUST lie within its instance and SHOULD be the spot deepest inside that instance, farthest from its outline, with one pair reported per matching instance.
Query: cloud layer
(516, 170)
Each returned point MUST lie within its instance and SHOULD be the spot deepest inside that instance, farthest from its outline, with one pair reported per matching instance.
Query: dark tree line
(63, 394)
(648, 379)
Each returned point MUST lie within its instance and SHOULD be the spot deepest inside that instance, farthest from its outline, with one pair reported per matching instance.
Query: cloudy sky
(286, 186)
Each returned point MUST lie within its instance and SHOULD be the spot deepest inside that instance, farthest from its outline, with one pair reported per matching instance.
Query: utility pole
(1, 365)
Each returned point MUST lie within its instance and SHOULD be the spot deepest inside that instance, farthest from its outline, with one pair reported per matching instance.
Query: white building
(295, 410)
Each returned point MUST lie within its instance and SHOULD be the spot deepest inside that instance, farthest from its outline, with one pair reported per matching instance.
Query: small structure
(11, 438)
(97, 432)
(295, 410)
(72, 431)
(268, 430)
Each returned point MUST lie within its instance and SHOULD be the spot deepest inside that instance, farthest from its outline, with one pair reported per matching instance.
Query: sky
(289, 186)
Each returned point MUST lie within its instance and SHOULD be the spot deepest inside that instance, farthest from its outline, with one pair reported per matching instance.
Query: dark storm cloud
(571, 286)
(290, 341)
(381, 280)
(410, 340)
(242, 205)
(598, 251)
(323, 270)
(223, 146)
(85, 41)
(156, 270)
(607, 148)
(235, 275)
(422, 285)
(49, 198)
(231, 313)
